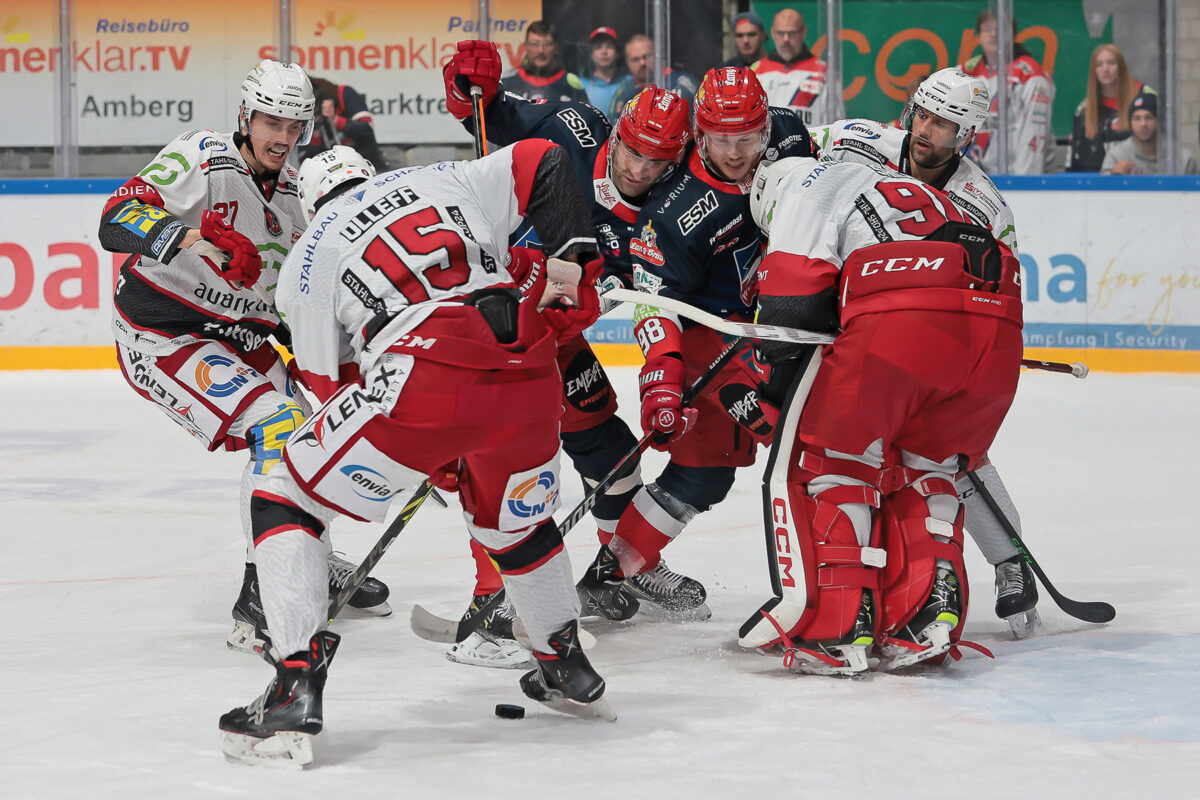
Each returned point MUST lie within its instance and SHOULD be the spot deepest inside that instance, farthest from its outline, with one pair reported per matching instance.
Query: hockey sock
(487, 575)
(652, 520)
(985, 529)
(545, 598)
(293, 578)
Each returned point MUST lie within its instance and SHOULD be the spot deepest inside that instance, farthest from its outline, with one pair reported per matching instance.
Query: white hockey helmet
(326, 171)
(283, 90)
(954, 95)
(764, 189)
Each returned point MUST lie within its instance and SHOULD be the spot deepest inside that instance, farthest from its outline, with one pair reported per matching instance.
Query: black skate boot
(845, 656)
(492, 643)
(927, 634)
(602, 591)
(280, 724)
(1017, 596)
(249, 633)
(371, 597)
(677, 594)
(565, 681)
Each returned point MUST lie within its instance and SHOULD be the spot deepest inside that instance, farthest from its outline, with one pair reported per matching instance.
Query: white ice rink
(122, 555)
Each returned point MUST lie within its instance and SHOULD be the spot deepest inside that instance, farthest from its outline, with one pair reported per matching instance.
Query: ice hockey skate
(1017, 596)
(602, 593)
(565, 680)
(278, 727)
(845, 657)
(679, 596)
(927, 634)
(492, 643)
(249, 633)
(370, 598)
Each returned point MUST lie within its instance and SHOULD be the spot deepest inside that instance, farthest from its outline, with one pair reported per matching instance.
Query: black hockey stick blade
(1094, 611)
(372, 560)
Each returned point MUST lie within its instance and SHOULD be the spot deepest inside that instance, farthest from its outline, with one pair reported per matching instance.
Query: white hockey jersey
(159, 306)
(800, 85)
(378, 260)
(872, 143)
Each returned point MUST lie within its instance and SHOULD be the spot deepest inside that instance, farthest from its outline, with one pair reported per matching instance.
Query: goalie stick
(1086, 611)
(430, 626)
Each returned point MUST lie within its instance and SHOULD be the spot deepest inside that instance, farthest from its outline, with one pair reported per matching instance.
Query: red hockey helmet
(730, 103)
(655, 123)
(730, 100)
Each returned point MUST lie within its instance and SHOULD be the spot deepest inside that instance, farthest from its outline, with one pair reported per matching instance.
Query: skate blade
(288, 749)
(1024, 624)
(597, 709)
(853, 664)
(243, 638)
(478, 651)
(380, 610)
(936, 639)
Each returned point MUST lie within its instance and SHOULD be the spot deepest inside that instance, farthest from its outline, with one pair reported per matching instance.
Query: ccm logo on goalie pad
(784, 554)
(900, 265)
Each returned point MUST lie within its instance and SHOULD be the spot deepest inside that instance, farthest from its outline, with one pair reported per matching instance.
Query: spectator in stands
(607, 74)
(1138, 155)
(639, 57)
(793, 77)
(342, 118)
(1103, 115)
(750, 39)
(542, 75)
(1030, 94)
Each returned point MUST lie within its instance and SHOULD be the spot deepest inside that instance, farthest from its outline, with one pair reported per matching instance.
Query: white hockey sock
(989, 535)
(545, 599)
(293, 578)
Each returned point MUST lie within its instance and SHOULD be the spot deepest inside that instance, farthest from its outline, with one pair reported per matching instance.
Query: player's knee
(595, 451)
(268, 436)
(701, 488)
(271, 515)
(538, 546)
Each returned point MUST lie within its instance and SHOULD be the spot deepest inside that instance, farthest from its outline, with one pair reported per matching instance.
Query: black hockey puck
(506, 711)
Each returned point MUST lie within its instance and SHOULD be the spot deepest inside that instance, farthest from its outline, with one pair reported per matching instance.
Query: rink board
(1109, 264)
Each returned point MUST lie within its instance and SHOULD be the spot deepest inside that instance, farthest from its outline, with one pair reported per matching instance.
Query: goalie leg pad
(915, 542)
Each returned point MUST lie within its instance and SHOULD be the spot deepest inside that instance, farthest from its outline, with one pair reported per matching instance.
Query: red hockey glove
(570, 322)
(243, 265)
(476, 63)
(661, 384)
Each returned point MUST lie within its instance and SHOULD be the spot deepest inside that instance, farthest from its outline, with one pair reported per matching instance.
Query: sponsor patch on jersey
(645, 246)
(584, 383)
(741, 402)
(367, 483)
(699, 210)
(578, 126)
(213, 144)
(863, 131)
(532, 496)
(221, 376)
(273, 226)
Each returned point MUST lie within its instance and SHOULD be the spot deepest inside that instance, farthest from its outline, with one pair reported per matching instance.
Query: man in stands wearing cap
(1138, 155)
(750, 38)
(607, 74)
(542, 75)
(639, 57)
(794, 77)
(697, 243)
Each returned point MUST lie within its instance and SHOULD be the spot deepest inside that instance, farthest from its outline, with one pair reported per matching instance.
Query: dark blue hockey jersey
(696, 240)
(583, 132)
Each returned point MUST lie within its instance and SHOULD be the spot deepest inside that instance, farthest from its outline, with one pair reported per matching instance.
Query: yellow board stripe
(625, 355)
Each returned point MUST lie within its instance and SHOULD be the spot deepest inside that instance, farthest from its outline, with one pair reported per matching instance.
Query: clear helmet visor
(247, 116)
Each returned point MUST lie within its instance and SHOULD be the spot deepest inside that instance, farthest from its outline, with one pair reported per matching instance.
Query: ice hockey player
(864, 525)
(616, 167)
(939, 123)
(407, 327)
(697, 243)
(193, 309)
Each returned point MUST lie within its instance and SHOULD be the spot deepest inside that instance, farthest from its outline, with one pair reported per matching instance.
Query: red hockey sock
(487, 577)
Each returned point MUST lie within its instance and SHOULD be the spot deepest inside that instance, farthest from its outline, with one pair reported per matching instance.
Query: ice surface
(122, 555)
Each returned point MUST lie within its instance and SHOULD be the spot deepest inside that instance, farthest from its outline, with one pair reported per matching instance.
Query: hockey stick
(364, 569)
(749, 330)
(430, 626)
(1078, 369)
(480, 125)
(1086, 611)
